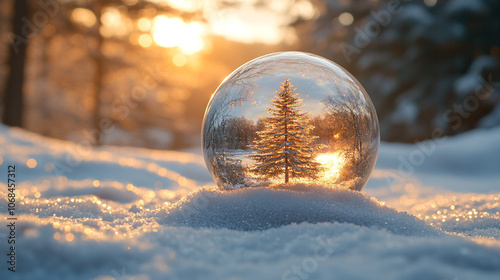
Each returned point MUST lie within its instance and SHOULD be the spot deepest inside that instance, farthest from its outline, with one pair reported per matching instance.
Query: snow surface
(429, 211)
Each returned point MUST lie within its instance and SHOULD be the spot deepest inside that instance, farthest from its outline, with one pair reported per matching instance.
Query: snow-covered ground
(429, 211)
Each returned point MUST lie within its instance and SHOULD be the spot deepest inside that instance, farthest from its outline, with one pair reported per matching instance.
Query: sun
(174, 32)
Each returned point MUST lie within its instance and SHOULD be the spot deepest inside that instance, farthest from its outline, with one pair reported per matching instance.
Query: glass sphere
(290, 117)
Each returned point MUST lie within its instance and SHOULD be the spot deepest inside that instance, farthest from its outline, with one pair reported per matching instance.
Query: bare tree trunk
(43, 92)
(13, 96)
(98, 84)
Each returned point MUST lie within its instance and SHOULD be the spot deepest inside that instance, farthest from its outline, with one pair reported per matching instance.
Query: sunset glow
(333, 164)
(84, 17)
(174, 32)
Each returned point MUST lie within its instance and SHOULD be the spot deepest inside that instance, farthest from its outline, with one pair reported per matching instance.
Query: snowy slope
(429, 211)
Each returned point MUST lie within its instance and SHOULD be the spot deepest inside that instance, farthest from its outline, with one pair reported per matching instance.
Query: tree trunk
(13, 96)
(286, 147)
(43, 93)
(98, 81)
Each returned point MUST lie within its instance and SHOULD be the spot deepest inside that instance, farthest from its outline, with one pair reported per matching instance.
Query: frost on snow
(123, 213)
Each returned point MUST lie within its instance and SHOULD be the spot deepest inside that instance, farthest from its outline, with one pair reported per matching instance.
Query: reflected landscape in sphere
(290, 117)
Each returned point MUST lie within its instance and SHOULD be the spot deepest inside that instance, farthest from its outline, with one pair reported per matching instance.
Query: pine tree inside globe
(290, 117)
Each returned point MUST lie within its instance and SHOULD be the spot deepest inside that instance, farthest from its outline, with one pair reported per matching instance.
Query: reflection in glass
(290, 117)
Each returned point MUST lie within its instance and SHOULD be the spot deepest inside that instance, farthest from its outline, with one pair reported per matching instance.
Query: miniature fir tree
(284, 146)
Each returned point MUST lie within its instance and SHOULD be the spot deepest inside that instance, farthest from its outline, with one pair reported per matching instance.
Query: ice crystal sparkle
(290, 117)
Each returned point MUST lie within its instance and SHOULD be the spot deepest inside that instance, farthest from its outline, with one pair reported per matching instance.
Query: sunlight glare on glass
(332, 164)
(174, 32)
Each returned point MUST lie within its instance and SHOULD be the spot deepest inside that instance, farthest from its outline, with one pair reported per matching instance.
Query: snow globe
(290, 117)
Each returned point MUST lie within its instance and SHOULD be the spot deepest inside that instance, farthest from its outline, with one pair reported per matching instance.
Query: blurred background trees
(13, 97)
(131, 72)
(427, 65)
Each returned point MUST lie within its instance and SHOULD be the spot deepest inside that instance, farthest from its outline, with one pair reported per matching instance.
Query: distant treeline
(239, 132)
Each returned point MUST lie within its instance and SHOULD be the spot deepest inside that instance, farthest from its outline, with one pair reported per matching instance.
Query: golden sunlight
(144, 24)
(145, 40)
(174, 32)
(114, 23)
(333, 164)
(84, 17)
(179, 60)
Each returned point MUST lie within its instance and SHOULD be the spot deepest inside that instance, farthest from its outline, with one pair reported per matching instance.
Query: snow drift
(264, 208)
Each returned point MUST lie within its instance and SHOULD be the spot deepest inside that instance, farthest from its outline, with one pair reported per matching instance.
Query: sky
(308, 90)
(245, 21)
(242, 21)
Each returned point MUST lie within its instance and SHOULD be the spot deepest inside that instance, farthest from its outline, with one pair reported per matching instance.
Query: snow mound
(263, 208)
